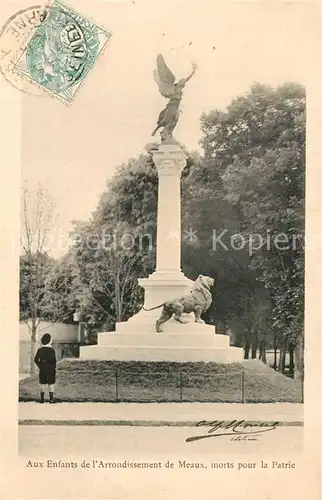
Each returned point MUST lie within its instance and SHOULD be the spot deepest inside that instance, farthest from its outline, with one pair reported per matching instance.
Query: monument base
(138, 341)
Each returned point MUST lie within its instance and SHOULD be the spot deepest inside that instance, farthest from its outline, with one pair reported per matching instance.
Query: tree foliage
(60, 291)
(267, 186)
(257, 148)
(117, 245)
(34, 269)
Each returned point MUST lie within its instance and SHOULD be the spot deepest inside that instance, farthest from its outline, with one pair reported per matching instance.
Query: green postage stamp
(62, 51)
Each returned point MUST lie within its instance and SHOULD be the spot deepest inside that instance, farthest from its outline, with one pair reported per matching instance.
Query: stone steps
(162, 353)
(197, 340)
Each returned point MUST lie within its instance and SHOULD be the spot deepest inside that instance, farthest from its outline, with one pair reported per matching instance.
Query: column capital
(170, 160)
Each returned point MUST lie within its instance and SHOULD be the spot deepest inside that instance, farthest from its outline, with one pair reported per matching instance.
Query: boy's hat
(46, 338)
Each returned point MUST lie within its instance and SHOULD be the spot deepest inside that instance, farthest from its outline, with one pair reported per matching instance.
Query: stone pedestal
(136, 339)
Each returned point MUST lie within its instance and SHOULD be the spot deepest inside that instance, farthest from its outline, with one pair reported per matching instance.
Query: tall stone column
(169, 160)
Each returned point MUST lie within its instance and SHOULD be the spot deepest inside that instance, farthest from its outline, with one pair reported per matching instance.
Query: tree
(215, 220)
(114, 279)
(37, 219)
(106, 276)
(34, 270)
(60, 291)
(262, 162)
(117, 245)
(128, 208)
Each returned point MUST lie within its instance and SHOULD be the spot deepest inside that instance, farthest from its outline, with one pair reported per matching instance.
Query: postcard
(159, 249)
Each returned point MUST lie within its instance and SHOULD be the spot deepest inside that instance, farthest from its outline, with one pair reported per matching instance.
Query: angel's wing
(164, 77)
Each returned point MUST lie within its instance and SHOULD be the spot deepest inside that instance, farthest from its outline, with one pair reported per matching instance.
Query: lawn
(110, 381)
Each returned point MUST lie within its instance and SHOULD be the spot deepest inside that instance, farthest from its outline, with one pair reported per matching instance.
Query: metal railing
(183, 387)
(183, 381)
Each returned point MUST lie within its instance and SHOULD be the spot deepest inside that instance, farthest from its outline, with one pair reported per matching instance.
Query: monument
(186, 339)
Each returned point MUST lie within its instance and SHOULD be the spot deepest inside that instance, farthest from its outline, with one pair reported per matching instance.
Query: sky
(73, 150)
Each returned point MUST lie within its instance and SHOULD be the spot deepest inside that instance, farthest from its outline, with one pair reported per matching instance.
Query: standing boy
(45, 359)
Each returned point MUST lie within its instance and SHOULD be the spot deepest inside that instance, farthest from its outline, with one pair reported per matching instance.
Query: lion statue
(197, 301)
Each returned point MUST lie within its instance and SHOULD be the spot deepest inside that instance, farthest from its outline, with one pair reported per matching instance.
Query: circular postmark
(14, 37)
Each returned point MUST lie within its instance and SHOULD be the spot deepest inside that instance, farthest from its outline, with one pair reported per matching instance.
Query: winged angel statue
(165, 79)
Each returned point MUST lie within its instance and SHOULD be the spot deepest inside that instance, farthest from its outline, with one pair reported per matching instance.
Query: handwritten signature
(234, 428)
